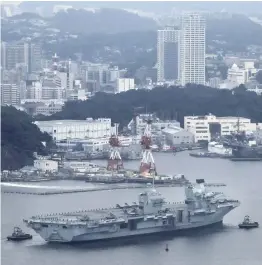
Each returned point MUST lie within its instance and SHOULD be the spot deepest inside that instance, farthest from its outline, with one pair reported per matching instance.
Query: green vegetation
(232, 36)
(19, 139)
(167, 103)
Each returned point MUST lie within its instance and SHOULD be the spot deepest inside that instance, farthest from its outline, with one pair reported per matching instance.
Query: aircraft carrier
(151, 215)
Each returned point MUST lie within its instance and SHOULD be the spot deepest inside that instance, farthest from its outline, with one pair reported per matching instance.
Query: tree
(20, 139)
(167, 102)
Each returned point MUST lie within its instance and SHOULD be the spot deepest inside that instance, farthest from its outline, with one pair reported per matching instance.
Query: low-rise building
(81, 129)
(81, 166)
(46, 165)
(124, 84)
(138, 125)
(48, 110)
(204, 128)
(77, 95)
(214, 82)
(177, 136)
(237, 75)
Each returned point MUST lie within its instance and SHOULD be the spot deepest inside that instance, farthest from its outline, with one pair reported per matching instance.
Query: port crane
(115, 161)
(147, 166)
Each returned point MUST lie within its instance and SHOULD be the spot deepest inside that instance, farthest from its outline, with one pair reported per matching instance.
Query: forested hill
(19, 139)
(168, 103)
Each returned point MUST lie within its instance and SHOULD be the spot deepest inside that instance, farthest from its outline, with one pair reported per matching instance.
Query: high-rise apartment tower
(168, 54)
(192, 49)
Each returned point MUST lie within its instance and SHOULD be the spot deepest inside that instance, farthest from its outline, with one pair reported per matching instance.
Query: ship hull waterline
(156, 235)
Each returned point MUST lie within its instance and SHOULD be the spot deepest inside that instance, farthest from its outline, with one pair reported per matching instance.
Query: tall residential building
(10, 94)
(192, 49)
(168, 54)
(26, 53)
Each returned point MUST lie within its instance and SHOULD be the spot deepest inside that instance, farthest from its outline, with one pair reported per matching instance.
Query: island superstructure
(151, 215)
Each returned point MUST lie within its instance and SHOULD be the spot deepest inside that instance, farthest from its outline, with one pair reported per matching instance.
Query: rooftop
(214, 117)
(172, 129)
(71, 122)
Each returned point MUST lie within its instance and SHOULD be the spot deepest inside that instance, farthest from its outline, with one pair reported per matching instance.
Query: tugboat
(19, 235)
(247, 223)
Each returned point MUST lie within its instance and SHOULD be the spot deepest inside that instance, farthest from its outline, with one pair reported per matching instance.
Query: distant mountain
(104, 20)
(236, 37)
(157, 7)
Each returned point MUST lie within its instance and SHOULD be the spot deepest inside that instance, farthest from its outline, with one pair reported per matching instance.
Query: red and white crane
(115, 161)
(147, 166)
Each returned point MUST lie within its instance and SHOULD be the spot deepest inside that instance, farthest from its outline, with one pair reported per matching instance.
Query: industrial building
(204, 128)
(81, 129)
(81, 166)
(46, 165)
(138, 124)
(177, 136)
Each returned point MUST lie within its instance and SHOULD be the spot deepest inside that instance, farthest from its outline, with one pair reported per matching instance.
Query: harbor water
(227, 245)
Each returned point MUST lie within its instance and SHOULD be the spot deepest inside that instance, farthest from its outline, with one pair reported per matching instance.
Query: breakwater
(53, 190)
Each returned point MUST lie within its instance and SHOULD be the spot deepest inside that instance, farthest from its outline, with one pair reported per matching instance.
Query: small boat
(19, 235)
(166, 249)
(247, 223)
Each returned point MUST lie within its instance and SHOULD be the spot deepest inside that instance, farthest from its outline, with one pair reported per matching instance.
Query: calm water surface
(218, 246)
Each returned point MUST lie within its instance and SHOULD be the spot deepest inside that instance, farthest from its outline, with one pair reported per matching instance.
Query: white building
(10, 94)
(77, 95)
(81, 166)
(46, 165)
(35, 91)
(204, 128)
(214, 82)
(81, 129)
(61, 79)
(177, 136)
(192, 49)
(237, 75)
(168, 40)
(124, 84)
(139, 125)
(97, 144)
(48, 110)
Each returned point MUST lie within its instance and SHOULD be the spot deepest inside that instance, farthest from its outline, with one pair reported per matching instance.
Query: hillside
(167, 103)
(156, 7)
(236, 37)
(104, 20)
(19, 139)
(119, 37)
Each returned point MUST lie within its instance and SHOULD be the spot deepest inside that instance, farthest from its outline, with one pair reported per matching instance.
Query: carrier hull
(155, 235)
(151, 215)
(82, 234)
